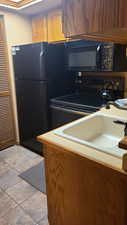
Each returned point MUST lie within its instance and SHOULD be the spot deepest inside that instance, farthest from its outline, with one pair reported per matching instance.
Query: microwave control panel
(107, 57)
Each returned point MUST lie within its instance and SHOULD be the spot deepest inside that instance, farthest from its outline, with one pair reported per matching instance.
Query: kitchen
(83, 87)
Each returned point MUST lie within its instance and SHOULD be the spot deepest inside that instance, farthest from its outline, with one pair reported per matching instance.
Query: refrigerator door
(60, 81)
(32, 110)
(29, 61)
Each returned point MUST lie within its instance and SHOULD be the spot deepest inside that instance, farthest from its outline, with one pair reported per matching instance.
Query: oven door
(61, 116)
(86, 58)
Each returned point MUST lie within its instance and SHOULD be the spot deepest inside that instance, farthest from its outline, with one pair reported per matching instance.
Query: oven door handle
(70, 111)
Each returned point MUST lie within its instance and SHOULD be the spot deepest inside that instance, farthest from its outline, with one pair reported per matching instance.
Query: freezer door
(29, 61)
(32, 108)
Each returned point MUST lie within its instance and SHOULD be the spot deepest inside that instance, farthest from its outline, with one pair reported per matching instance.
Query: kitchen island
(84, 186)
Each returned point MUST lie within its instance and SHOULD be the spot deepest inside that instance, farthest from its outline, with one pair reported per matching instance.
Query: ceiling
(32, 8)
(15, 0)
(41, 7)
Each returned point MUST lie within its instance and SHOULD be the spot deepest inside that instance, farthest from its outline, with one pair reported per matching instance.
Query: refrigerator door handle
(42, 63)
(43, 53)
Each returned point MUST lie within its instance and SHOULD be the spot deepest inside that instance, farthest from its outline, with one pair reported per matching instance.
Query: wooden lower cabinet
(83, 192)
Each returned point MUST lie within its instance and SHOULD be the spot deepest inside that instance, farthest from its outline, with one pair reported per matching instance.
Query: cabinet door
(79, 16)
(7, 133)
(88, 16)
(55, 32)
(39, 28)
(95, 19)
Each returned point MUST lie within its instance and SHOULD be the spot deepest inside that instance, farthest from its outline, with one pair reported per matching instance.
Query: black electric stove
(90, 99)
(85, 101)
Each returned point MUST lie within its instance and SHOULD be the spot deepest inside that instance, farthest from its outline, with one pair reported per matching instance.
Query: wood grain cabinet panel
(55, 32)
(95, 19)
(39, 28)
(48, 27)
(82, 16)
(83, 192)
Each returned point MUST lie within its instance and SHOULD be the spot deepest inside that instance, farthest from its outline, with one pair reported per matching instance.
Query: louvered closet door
(7, 134)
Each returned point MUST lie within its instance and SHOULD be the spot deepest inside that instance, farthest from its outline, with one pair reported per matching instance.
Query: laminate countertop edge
(58, 142)
(105, 159)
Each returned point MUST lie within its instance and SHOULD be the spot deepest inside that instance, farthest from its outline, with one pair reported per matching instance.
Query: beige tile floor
(20, 203)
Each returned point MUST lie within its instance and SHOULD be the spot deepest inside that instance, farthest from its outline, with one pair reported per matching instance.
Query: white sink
(97, 131)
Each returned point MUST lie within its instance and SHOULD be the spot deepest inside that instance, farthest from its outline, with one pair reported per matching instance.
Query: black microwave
(96, 56)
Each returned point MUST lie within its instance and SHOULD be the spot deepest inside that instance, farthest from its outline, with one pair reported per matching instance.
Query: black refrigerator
(40, 74)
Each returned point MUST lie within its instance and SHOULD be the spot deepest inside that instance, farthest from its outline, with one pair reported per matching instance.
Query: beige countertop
(108, 160)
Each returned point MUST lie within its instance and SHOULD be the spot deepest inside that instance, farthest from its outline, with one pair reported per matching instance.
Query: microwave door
(84, 58)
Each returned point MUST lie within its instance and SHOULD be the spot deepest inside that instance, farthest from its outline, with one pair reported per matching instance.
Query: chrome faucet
(107, 106)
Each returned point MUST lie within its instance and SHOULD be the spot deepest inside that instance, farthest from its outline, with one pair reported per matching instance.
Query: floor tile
(6, 204)
(17, 216)
(36, 206)
(16, 159)
(3, 221)
(18, 149)
(6, 153)
(21, 191)
(29, 153)
(20, 158)
(20, 203)
(4, 167)
(9, 179)
(44, 221)
(27, 164)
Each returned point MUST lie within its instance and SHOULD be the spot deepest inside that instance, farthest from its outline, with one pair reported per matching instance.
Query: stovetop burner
(85, 101)
(80, 101)
(88, 99)
(93, 98)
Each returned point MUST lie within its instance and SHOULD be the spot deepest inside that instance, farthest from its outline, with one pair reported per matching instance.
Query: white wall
(18, 31)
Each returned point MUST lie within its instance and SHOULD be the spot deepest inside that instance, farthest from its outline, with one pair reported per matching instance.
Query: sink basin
(97, 131)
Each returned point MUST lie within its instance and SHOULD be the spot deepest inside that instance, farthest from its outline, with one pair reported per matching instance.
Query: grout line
(18, 172)
(28, 213)
(11, 198)
(19, 204)
(22, 210)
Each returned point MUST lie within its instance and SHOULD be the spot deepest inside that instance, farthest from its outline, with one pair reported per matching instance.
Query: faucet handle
(123, 142)
(120, 122)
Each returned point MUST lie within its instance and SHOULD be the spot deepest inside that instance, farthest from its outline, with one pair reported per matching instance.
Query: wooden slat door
(7, 132)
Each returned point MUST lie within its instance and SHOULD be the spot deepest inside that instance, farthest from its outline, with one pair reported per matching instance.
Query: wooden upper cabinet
(104, 20)
(80, 16)
(55, 32)
(39, 28)
(48, 27)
